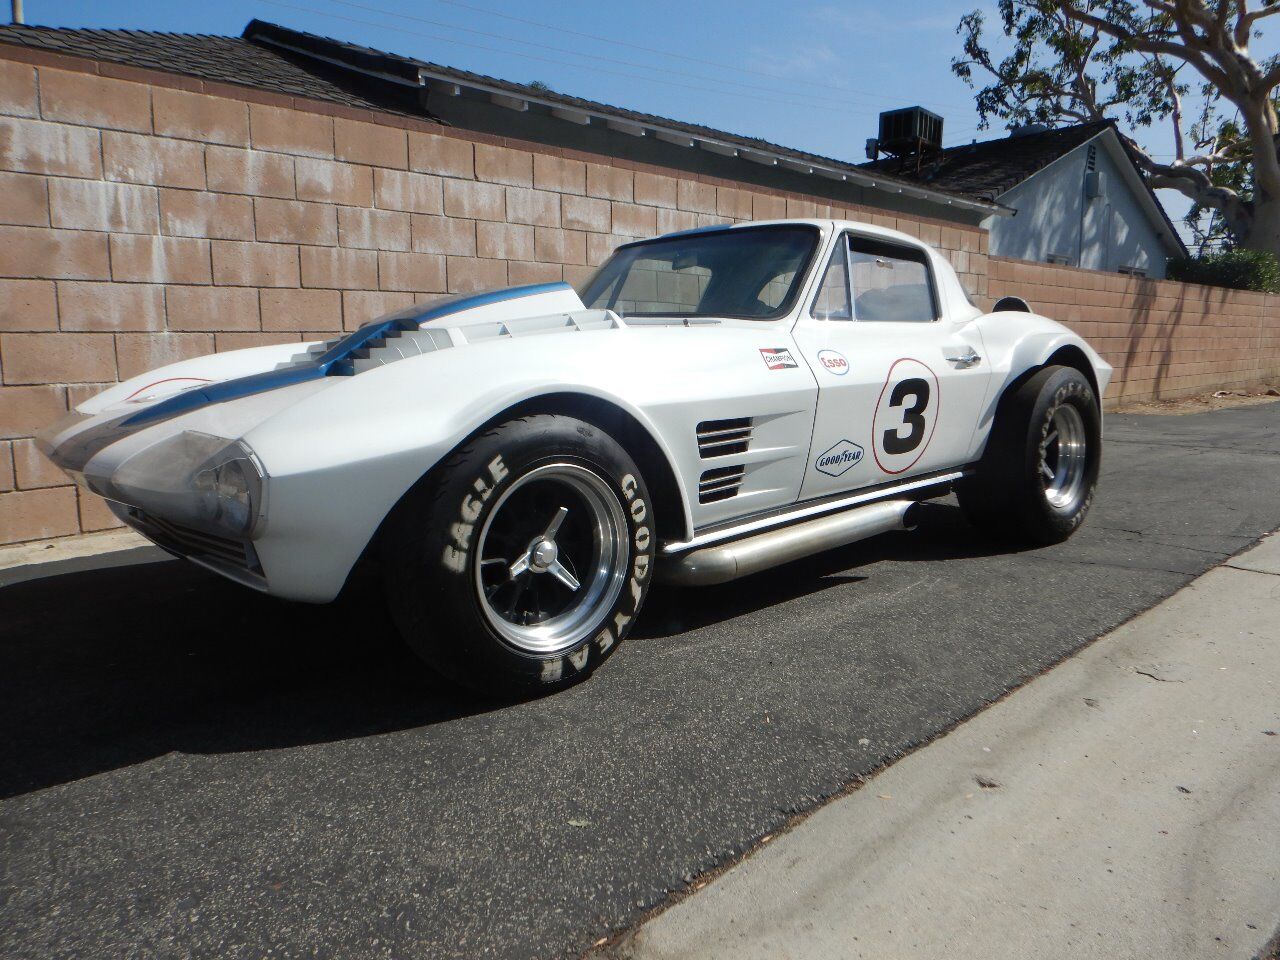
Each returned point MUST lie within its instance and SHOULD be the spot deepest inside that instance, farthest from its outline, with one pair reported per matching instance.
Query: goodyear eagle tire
(1037, 479)
(523, 561)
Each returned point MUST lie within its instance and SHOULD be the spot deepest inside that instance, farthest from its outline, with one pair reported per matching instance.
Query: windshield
(753, 273)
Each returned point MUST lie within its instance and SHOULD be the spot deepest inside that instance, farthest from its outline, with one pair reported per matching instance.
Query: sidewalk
(69, 548)
(1125, 804)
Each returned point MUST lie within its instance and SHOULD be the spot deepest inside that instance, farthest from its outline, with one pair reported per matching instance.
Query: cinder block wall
(1164, 339)
(147, 218)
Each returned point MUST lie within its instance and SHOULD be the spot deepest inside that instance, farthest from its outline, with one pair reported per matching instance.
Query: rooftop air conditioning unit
(910, 130)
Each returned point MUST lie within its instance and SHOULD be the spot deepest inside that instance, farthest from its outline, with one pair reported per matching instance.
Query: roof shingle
(234, 60)
(984, 171)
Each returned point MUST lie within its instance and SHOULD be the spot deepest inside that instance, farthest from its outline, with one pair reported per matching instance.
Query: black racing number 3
(913, 416)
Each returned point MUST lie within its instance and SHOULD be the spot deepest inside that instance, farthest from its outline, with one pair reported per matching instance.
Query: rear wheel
(1037, 479)
(523, 562)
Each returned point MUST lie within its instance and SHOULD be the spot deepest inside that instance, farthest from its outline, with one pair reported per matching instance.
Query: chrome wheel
(1064, 457)
(553, 557)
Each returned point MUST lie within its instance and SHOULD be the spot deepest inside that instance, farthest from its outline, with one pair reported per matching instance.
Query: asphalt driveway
(189, 769)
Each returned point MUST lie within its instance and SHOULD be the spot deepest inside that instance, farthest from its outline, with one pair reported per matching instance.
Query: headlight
(46, 439)
(198, 480)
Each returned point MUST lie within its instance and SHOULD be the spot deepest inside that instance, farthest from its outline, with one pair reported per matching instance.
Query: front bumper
(157, 498)
(235, 559)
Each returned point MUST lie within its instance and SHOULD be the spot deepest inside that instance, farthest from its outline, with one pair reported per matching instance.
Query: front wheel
(1037, 479)
(522, 563)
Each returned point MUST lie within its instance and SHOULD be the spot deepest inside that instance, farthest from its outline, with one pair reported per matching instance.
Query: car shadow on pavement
(942, 534)
(114, 665)
(108, 667)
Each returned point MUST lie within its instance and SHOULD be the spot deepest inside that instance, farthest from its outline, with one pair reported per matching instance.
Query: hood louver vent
(720, 483)
(724, 438)
(398, 345)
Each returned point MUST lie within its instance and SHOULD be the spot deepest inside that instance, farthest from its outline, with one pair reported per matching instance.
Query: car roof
(859, 226)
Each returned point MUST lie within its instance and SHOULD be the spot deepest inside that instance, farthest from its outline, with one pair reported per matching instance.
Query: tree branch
(1194, 184)
(1082, 60)
(1178, 51)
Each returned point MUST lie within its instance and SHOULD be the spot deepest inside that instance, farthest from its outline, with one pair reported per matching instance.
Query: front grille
(723, 438)
(196, 544)
(720, 483)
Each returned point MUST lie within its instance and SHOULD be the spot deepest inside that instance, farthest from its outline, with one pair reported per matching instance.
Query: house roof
(234, 60)
(275, 58)
(990, 169)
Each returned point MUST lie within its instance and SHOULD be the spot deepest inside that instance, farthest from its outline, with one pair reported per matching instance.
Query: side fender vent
(720, 483)
(724, 438)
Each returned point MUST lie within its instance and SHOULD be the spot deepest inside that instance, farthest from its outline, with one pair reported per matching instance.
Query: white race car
(522, 464)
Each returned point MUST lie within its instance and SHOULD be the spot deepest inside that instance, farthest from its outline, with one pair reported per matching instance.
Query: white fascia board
(572, 116)
(679, 139)
(624, 126)
(717, 147)
(518, 104)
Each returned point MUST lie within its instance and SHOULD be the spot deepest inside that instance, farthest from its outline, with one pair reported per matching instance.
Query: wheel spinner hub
(553, 558)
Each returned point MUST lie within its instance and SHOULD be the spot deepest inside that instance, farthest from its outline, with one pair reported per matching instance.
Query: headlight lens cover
(46, 437)
(197, 479)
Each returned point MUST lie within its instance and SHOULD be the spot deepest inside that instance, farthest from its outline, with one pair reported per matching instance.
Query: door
(900, 386)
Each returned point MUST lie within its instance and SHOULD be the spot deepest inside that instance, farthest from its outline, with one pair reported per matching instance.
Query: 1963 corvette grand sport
(523, 464)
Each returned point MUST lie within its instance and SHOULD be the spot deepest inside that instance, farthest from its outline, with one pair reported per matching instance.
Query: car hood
(230, 393)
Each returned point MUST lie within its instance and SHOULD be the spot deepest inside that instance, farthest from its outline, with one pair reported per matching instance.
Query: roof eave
(518, 98)
(582, 113)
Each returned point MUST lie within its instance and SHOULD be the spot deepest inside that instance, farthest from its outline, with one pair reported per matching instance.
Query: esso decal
(833, 362)
(905, 416)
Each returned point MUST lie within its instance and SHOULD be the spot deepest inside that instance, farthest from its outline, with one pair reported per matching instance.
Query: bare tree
(1138, 62)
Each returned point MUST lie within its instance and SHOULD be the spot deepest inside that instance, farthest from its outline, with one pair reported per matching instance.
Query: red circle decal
(905, 416)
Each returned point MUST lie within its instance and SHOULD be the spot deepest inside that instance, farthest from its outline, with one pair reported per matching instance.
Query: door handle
(970, 358)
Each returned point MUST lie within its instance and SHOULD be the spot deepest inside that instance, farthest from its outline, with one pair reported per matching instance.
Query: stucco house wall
(1056, 219)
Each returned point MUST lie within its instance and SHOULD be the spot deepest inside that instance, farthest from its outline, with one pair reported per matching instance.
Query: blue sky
(810, 75)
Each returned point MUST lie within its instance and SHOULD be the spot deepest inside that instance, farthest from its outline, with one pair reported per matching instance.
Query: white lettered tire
(523, 561)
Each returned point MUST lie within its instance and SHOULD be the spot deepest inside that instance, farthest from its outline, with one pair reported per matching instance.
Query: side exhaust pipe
(729, 561)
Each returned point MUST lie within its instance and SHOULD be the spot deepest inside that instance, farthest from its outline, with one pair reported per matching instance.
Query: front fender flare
(324, 514)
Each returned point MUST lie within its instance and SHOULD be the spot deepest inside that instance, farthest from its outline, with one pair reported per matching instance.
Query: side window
(832, 301)
(890, 282)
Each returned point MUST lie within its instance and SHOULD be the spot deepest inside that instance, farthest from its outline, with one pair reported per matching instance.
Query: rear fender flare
(1038, 349)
